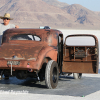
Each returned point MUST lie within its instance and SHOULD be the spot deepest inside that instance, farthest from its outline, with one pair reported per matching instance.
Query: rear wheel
(77, 75)
(51, 74)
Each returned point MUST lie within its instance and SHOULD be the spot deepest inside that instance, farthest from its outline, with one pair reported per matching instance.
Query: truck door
(80, 54)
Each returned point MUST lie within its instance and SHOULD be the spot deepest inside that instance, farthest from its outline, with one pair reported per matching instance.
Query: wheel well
(47, 59)
(42, 70)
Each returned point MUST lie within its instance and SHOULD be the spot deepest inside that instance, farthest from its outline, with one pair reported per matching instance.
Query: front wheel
(77, 75)
(51, 74)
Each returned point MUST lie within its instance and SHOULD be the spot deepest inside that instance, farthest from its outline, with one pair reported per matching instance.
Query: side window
(59, 43)
(59, 39)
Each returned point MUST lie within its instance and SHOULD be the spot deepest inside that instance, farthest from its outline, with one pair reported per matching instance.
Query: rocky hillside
(35, 13)
(55, 3)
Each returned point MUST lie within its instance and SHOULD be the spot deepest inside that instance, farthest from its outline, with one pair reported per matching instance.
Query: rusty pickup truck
(42, 54)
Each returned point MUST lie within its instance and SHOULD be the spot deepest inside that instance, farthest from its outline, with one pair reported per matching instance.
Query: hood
(20, 51)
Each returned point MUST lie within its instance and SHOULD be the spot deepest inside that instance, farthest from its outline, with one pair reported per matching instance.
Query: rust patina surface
(30, 54)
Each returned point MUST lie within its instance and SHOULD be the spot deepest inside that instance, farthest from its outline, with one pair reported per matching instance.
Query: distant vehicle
(41, 54)
(46, 27)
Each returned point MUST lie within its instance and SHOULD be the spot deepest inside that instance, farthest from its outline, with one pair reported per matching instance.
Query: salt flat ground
(88, 88)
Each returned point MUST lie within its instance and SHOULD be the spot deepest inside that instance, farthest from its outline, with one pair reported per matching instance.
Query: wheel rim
(54, 75)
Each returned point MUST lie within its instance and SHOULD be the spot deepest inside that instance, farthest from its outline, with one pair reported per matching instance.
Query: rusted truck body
(41, 54)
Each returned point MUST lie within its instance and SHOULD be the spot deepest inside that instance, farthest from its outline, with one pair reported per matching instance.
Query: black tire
(77, 75)
(51, 74)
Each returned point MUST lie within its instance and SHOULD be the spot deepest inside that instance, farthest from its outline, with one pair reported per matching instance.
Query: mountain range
(35, 13)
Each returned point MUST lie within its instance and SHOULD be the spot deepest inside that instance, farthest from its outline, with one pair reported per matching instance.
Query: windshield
(80, 41)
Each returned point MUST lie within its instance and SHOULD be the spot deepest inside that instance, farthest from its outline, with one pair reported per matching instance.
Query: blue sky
(93, 5)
